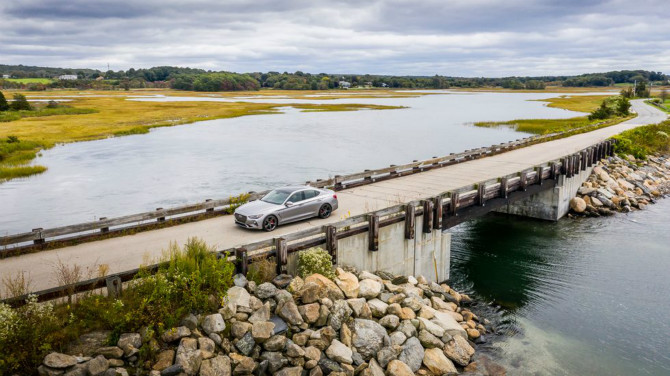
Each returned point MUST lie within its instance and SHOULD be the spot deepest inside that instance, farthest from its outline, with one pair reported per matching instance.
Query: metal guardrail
(440, 212)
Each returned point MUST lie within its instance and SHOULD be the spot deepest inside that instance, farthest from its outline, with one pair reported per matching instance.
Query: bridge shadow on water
(513, 262)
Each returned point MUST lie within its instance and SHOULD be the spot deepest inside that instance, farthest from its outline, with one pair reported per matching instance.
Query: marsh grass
(583, 103)
(17, 284)
(92, 118)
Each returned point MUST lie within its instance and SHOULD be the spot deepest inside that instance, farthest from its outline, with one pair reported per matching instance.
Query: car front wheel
(270, 223)
(325, 210)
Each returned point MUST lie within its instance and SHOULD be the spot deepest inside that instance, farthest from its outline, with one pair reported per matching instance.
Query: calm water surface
(214, 159)
(577, 297)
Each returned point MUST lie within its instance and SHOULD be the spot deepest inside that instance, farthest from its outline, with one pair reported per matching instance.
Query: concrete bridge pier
(551, 204)
(402, 249)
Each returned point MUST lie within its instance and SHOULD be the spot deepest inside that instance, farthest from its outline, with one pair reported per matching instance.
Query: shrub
(315, 260)
(642, 141)
(26, 335)
(602, 112)
(20, 103)
(261, 271)
(4, 106)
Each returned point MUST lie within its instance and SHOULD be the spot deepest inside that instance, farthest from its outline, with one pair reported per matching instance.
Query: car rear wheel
(325, 210)
(270, 223)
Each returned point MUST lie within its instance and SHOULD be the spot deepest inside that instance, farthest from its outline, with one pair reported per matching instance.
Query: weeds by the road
(643, 141)
(190, 280)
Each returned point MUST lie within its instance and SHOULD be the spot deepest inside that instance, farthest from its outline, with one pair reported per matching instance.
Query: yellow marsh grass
(117, 116)
(584, 103)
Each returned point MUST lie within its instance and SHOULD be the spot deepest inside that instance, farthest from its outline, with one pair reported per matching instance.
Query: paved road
(129, 252)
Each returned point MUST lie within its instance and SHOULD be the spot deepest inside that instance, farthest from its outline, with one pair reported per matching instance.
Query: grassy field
(108, 114)
(30, 80)
(584, 103)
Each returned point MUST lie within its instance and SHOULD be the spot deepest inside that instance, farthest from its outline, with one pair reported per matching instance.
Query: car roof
(294, 188)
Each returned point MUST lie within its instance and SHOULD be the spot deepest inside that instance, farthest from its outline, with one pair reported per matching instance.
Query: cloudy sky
(417, 37)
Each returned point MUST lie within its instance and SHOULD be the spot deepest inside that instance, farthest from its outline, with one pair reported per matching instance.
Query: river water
(577, 297)
(217, 158)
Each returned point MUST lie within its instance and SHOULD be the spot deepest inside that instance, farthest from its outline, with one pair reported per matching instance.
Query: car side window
(297, 197)
(311, 194)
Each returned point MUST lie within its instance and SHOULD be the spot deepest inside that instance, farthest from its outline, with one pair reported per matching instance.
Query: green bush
(315, 260)
(26, 335)
(643, 141)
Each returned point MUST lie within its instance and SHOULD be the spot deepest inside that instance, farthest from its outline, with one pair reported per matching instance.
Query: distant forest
(201, 80)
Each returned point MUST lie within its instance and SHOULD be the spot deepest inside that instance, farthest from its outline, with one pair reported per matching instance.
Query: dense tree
(641, 89)
(623, 106)
(663, 95)
(4, 106)
(627, 92)
(20, 103)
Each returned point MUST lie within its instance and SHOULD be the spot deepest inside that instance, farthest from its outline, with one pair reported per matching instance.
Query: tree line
(200, 80)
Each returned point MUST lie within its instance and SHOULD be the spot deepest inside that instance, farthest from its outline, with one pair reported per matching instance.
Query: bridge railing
(38, 238)
(440, 212)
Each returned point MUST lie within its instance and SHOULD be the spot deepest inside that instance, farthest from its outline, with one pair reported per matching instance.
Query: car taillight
(335, 197)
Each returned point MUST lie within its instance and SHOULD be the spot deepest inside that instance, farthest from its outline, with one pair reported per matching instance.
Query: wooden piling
(281, 248)
(373, 232)
(410, 221)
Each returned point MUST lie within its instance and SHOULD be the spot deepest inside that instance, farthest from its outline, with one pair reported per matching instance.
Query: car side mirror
(289, 204)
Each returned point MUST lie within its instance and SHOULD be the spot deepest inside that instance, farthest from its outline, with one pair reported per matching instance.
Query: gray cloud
(474, 38)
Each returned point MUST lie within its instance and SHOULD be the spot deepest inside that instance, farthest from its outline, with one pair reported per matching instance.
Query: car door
(295, 211)
(312, 202)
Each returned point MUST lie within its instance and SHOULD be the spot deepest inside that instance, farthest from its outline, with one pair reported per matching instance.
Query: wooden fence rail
(14, 243)
(441, 212)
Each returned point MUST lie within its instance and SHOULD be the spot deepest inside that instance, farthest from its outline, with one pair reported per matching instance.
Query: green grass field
(30, 80)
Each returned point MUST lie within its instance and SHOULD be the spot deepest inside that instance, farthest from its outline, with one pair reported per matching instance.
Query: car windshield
(276, 197)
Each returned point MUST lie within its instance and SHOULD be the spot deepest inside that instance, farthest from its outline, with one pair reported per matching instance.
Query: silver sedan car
(284, 205)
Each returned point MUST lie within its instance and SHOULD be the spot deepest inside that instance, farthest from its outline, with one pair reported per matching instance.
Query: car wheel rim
(325, 211)
(270, 223)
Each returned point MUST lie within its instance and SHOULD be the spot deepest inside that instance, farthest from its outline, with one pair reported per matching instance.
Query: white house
(68, 77)
(6, 76)
(344, 84)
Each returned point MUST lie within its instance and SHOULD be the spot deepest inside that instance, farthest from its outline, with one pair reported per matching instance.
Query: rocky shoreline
(360, 323)
(622, 185)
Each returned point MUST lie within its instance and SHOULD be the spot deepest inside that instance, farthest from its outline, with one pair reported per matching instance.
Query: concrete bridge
(396, 224)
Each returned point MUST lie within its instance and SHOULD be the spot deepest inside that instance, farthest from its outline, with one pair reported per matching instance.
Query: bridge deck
(129, 252)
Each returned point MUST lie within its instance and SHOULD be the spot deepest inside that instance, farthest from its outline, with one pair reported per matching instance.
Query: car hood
(256, 207)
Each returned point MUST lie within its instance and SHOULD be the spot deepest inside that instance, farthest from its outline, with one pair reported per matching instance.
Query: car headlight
(255, 216)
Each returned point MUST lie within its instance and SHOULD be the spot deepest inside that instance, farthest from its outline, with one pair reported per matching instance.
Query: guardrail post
(437, 213)
(160, 219)
(481, 193)
(539, 171)
(427, 216)
(523, 181)
(114, 286)
(504, 187)
(208, 210)
(241, 261)
(555, 171)
(592, 156)
(585, 160)
(331, 242)
(373, 232)
(40, 239)
(612, 142)
(282, 255)
(338, 184)
(394, 172)
(453, 205)
(103, 229)
(410, 221)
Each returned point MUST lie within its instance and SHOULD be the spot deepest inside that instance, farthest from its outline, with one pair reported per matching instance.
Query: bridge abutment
(551, 204)
(426, 253)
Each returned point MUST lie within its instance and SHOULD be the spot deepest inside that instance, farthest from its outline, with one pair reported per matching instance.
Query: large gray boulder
(412, 354)
(369, 337)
